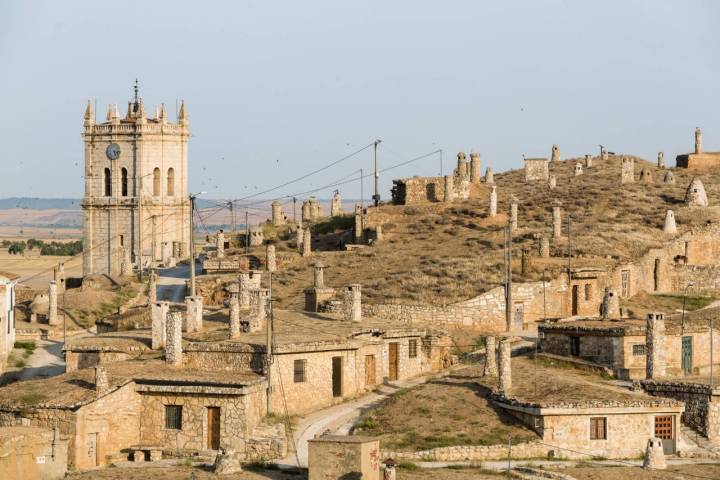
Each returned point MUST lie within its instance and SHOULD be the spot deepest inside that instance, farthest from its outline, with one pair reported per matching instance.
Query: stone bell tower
(136, 204)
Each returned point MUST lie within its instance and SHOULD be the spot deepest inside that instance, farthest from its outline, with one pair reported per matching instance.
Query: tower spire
(136, 98)
(89, 116)
(182, 114)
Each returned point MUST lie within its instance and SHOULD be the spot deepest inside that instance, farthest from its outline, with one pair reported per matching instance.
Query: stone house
(108, 413)
(7, 315)
(620, 345)
(576, 417)
(32, 453)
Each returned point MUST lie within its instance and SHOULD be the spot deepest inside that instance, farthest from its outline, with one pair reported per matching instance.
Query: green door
(687, 354)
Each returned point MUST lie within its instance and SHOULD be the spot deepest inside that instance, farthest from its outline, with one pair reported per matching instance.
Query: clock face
(113, 151)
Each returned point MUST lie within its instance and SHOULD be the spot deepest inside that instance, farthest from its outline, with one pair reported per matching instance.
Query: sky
(276, 90)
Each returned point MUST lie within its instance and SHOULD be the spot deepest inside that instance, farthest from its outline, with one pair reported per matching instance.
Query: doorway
(91, 449)
(519, 317)
(656, 274)
(213, 431)
(393, 361)
(337, 376)
(574, 300)
(625, 283)
(664, 430)
(369, 370)
(686, 357)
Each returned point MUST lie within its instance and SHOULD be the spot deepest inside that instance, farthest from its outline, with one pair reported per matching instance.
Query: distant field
(47, 234)
(36, 272)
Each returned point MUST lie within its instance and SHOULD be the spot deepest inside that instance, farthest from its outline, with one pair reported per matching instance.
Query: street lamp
(192, 242)
(682, 321)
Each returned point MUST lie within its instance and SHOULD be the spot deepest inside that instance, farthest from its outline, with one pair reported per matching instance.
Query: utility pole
(294, 203)
(232, 216)
(508, 277)
(712, 327)
(569, 247)
(247, 233)
(268, 345)
(376, 197)
(441, 161)
(362, 202)
(192, 245)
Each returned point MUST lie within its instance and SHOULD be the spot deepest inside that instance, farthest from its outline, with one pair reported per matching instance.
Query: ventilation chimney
(353, 302)
(101, 379)
(173, 338)
(158, 315)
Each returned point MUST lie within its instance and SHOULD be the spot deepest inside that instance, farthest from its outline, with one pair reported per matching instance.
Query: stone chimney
(126, 264)
(525, 262)
(101, 380)
(270, 261)
(449, 189)
(461, 164)
(358, 223)
(646, 176)
(220, 244)
(555, 154)
(353, 303)
(669, 226)
(654, 455)
(305, 212)
(493, 201)
(307, 244)
(299, 235)
(544, 247)
(152, 287)
(669, 178)
(604, 154)
(258, 312)
(318, 276)
(234, 303)
(655, 345)
(661, 160)
(552, 182)
(194, 307)
(505, 374)
(277, 214)
(53, 318)
(627, 170)
(588, 161)
(490, 369)
(695, 195)
(244, 290)
(610, 308)
(698, 140)
(489, 176)
(173, 338)
(557, 219)
(578, 169)
(336, 205)
(158, 315)
(475, 167)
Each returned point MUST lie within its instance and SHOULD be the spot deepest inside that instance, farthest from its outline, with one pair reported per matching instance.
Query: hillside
(443, 253)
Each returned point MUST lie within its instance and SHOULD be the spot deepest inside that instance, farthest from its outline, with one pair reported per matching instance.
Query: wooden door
(213, 431)
(337, 376)
(369, 370)
(393, 361)
(686, 357)
(664, 430)
(519, 316)
(574, 300)
(625, 283)
(91, 449)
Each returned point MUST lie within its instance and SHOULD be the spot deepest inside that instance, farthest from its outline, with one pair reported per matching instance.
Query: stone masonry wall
(701, 408)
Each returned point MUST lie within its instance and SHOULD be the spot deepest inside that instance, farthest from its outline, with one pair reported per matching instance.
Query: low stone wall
(132, 319)
(477, 453)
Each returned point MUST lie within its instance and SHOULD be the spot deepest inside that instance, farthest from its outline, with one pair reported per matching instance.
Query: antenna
(136, 88)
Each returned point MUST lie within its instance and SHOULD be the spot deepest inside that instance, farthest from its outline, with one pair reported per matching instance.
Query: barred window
(173, 417)
(299, 371)
(412, 349)
(598, 428)
(638, 350)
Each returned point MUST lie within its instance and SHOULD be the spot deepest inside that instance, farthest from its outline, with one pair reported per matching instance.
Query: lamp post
(682, 321)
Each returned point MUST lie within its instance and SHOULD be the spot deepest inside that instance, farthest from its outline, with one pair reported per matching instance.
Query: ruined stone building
(136, 198)
(7, 315)
(699, 159)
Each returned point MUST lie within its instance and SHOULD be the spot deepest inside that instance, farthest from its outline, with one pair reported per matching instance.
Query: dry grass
(441, 254)
(430, 416)
(636, 473)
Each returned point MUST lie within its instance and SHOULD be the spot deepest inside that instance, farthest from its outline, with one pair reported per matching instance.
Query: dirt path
(340, 418)
(171, 283)
(46, 361)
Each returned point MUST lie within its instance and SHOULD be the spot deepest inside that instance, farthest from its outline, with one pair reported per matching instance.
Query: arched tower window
(108, 183)
(156, 182)
(124, 182)
(171, 182)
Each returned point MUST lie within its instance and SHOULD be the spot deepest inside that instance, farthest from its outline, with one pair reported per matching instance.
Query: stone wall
(113, 421)
(133, 319)
(339, 457)
(475, 453)
(706, 278)
(32, 453)
(702, 404)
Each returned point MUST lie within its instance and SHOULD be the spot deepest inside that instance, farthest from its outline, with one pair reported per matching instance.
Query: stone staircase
(697, 444)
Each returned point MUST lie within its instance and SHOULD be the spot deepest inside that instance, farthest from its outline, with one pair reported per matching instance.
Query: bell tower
(135, 206)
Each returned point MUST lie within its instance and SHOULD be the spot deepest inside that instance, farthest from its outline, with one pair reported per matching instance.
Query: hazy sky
(278, 89)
